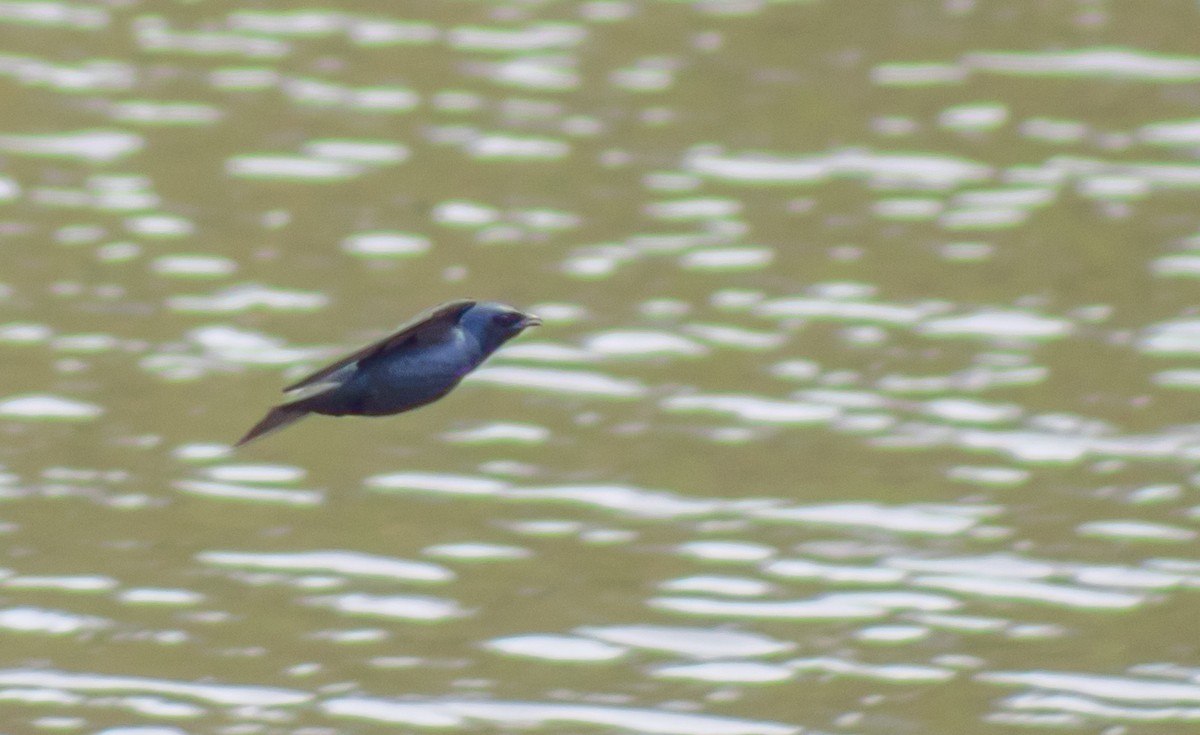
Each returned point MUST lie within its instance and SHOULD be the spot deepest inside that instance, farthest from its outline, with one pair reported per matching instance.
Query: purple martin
(418, 364)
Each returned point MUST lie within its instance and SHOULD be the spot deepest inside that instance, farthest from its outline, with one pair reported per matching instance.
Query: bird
(414, 366)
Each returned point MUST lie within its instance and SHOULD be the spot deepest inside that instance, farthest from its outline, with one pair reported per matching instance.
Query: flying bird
(418, 364)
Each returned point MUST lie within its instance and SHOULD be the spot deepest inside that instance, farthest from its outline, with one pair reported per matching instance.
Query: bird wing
(426, 326)
(304, 392)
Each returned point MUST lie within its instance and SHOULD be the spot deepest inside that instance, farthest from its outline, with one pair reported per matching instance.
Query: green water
(865, 400)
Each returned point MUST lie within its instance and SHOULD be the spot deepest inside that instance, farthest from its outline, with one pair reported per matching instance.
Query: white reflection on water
(496, 146)
(1105, 62)
(194, 266)
(154, 35)
(997, 324)
(159, 710)
(701, 643)
(230, 344)
(10, 190)
(932, 520)
(297, 168)
(725, 335)
(631, 500)
(500, 433)
(160, 226)
(555, 648)
(1137, 531)
(91, 145)
(48, 407)
(740, 672)
(220, 694)
(839, 606)
(51, 14)
(728, 259)
(249, 296)
(1076, 711)
(886, 672)
(350, 563)
(50, 622)
(385, 244)
(862, 299)
(396, 607)
(375, 152)
(91, 74)
(159, 596)
(25, 333)
(755, 409)
(642, 344)
(1186, 266)
(476, 551)
(541, 72)
(578, 382)
(460, 713)
(437, 483)
(928, 171)
(727, 551)
(974, 117)
(148, 112)
(850, 308)
(67, 583)
(249, 493)
(1117, 688)
(256, 473)
(533, 37)
(1174, 337)
(835, 573)
(718, 585)
(1035, 592)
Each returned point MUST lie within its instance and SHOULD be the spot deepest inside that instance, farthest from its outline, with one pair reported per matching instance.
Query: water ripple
(397, 607)
(220, 694)
(1107, 63)
(50, 622)
(754, 409)
(934, 171)
(555, 648)
(1036, 592)
(931, 520)
(350, 563)
(559, 381)
(699, 643)
(48, 407)
(88, 145)
(462, 713)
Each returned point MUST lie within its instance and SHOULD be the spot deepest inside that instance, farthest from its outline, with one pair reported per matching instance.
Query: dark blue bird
(418, 364)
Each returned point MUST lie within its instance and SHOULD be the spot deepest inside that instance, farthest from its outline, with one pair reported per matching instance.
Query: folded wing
(427, 326)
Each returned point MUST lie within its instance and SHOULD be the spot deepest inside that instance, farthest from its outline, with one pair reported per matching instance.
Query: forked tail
(278, 418)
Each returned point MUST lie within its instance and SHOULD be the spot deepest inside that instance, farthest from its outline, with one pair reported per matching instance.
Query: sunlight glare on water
(862, 402)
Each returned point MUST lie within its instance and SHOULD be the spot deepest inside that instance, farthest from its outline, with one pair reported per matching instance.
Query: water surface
(864, 402)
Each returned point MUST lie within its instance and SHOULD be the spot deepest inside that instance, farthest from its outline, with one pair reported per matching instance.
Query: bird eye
(507, 319)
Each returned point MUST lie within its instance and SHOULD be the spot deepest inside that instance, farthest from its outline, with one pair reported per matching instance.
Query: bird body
(397, 381)
(416, 365)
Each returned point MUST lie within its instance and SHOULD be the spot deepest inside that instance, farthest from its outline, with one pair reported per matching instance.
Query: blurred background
(865, 401)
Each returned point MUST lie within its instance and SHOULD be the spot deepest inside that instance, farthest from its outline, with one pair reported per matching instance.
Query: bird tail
(276, 419)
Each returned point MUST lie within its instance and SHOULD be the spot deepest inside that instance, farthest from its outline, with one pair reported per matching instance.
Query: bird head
(493, 324)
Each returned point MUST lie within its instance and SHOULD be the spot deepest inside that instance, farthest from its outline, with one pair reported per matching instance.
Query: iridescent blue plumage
(418, 364)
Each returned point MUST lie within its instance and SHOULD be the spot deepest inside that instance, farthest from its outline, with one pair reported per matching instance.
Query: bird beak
(531, 320)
